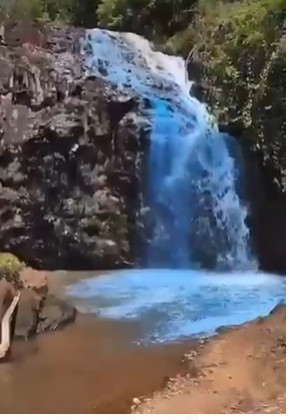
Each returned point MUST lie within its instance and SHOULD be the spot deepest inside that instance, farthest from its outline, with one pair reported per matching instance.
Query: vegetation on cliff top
(241, 48)
(75, 12)
(156, 19)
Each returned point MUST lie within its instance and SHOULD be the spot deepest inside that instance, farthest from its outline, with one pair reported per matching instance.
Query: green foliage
(241, 48)
(82, 12)
(57, 10)
(10, 267)
(23, 9)
(75, 12)
(221, 28)
(153, 18)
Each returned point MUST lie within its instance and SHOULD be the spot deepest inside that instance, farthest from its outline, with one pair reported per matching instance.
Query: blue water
(199, 220)
(176, 304)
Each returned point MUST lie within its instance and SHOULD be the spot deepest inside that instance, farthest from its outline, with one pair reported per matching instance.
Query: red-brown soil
(241, 371)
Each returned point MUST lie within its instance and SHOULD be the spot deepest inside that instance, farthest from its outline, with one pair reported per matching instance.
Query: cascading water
(198, 217)
(199, 220)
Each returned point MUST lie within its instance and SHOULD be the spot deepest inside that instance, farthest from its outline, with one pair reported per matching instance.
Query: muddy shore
(88, 367)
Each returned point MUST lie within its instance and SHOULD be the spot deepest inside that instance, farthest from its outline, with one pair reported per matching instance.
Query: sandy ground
(241, 371)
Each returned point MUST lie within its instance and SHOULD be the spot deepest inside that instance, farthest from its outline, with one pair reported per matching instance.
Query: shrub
(10, 267)
(27, 9)
(241, 48)
(153, 18)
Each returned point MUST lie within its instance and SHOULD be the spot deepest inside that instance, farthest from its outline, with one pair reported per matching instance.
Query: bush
(10, 267)
(75, 12)
(27, 9)
(153, 18)
(241, 48)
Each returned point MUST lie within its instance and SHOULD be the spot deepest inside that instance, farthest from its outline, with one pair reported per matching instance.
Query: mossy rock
(10, 267)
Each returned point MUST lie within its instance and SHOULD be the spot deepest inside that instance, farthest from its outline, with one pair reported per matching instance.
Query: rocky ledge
(37, 310)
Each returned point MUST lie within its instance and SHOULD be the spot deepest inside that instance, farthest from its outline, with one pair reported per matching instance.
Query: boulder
(55, 313)
(27, 314)
(7, 293)
(34, 280)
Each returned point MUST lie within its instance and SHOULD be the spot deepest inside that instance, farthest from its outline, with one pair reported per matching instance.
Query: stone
(55, 313)
(27, 314)
(7, 293)
(136, 401)
(35, 280)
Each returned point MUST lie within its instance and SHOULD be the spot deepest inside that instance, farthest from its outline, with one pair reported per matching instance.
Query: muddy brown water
(90, 366)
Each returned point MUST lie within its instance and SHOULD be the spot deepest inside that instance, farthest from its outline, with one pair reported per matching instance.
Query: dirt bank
(240, 371)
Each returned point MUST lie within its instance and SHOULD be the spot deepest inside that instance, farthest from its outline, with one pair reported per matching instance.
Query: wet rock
(7, 293)
(27, 314)
(54, 314)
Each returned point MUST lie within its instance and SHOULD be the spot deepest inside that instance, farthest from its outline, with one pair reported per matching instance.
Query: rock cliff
(71, 156)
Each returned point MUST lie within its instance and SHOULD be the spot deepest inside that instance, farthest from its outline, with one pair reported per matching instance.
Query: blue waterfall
(198, 218)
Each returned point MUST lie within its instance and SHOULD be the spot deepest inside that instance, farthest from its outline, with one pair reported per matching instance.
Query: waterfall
(198, 217)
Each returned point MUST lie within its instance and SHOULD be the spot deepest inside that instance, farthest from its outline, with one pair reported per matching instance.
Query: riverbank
(93, 366)
(242, 370)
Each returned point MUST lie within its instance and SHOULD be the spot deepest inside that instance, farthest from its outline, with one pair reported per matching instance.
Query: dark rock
(267, 213)
(54, 314)
(71, 156)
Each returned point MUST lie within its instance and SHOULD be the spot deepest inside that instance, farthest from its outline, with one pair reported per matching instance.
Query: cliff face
(71, 156)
